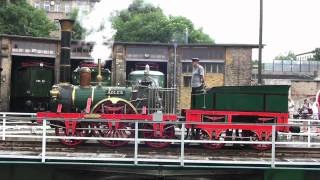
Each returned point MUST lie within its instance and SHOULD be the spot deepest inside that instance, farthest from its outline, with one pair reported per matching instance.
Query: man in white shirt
(197, 79)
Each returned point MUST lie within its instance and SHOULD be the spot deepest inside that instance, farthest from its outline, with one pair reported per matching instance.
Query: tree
(143, 22)
(78, 31)
(316, 56)
(19, 18)
(289, 56)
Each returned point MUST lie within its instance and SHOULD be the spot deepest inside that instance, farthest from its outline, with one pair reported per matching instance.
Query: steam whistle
(99, 76)
(147, 70)
(146, 81)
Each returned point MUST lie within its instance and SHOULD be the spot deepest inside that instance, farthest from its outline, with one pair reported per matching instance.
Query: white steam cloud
(98, 26)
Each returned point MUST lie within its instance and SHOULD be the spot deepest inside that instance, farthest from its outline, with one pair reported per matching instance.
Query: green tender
(265, 98)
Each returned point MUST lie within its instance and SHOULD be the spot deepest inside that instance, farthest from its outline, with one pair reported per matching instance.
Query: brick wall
(5, 74)
(238, 66)
(118, 66)
(212, 79)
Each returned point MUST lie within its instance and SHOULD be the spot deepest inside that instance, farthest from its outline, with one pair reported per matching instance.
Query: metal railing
(163, 99)
(292, 66)
(183, 152)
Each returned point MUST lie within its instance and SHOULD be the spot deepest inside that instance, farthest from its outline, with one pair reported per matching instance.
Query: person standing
(197, 79)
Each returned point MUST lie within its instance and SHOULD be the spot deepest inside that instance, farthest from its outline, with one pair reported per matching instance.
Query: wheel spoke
(62, 131)
(260, 147)
(123, 131)
(148, 133)
(214, 146)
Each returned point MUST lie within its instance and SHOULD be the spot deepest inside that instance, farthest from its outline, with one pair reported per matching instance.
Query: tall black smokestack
(66, 33)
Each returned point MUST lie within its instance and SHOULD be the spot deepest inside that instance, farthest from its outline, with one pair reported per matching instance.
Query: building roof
(137, 43)
(31, 38)
(188, 45)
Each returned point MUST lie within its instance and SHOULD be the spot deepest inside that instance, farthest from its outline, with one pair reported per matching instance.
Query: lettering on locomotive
(115, 92)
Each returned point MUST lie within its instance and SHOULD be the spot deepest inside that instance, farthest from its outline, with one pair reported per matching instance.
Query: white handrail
(12, 131)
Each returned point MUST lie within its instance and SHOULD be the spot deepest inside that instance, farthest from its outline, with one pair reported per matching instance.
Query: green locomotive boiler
(73, 98)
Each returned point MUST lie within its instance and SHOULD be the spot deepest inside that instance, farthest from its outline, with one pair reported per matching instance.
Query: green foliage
(289, 56)
(7, 2)
(316, 56)
(78, 31)
(19, 18)
(143, 22)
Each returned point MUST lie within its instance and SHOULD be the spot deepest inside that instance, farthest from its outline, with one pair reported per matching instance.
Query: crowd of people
(309, 109)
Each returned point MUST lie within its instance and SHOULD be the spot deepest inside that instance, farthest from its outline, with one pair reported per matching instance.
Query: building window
(209, 67)
(186, 67)
(186, 81)
(67, 8)
(57, 8)
(46, 6)
(37, 5)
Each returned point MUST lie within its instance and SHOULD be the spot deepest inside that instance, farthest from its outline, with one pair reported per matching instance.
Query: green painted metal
(98, 93)
(156, 76)
(106, 76)
(267, 98)
(32, 81)
(285, 174)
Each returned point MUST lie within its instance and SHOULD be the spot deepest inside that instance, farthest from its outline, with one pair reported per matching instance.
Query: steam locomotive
(214, 113)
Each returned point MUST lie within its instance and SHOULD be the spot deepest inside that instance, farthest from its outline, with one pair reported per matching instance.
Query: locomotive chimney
(65, 67)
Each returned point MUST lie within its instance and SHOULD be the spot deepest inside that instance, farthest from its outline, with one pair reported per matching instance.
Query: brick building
(18, 48)
(225, 64)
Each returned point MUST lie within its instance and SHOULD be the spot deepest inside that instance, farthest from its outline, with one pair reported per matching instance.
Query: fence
(288, 149)
(292, 66)
(163, 99)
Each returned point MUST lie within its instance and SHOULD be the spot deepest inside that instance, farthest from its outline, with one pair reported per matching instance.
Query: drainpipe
(175, 45)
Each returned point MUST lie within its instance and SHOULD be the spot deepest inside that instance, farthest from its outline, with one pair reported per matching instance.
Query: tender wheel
(203, 135)
(80, 131)
(148, 133)
(115, 129)
(260, 147)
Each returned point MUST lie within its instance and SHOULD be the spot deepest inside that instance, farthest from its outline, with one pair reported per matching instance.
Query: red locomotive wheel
(103, 130)
(61, 131)
(148, 133)
(205, 136)
(260, 147)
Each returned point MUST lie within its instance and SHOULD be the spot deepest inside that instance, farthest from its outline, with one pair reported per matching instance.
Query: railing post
(273, 153)
(309, 131)
(136, 133)
(300, 70)
(273, 66)
(44, 140)
(182, 144)
(4, 127)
